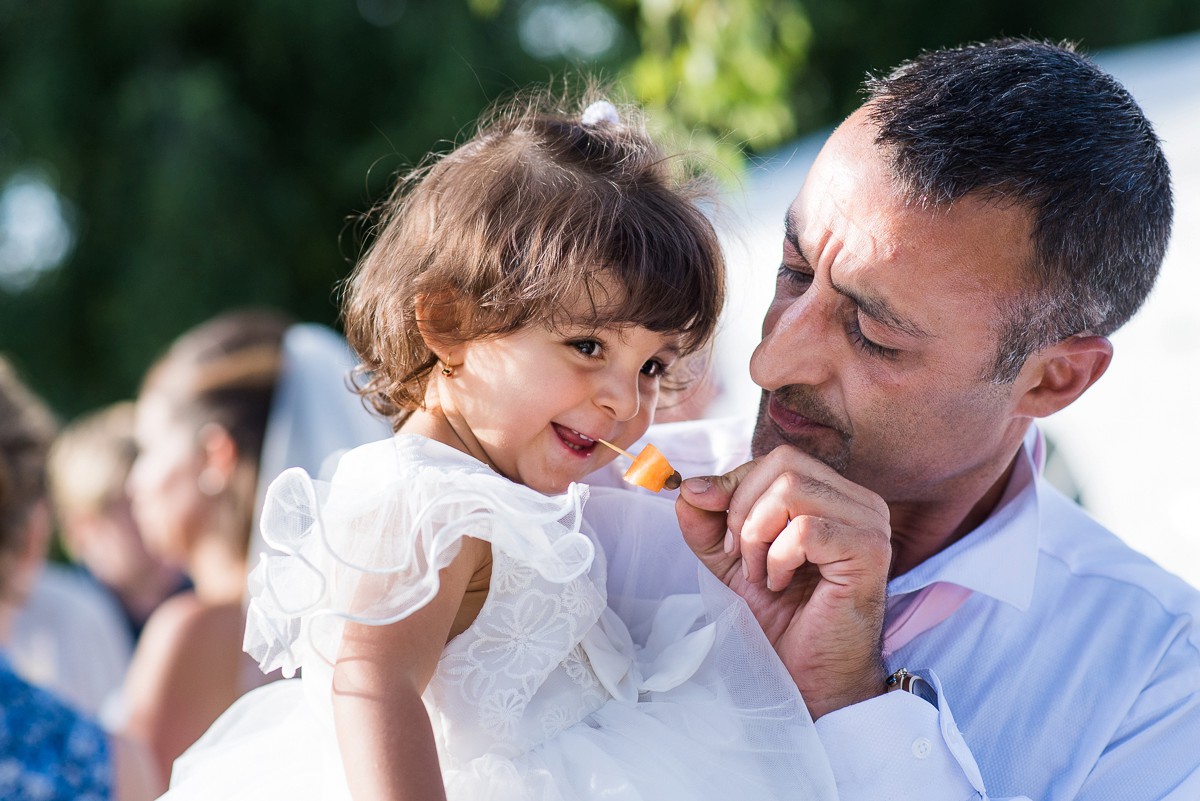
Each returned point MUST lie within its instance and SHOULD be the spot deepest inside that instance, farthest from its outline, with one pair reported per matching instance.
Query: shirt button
(922, 748)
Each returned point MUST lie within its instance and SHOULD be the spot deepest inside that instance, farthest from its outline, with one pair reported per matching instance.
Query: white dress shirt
(1073, 669)
(71, 638)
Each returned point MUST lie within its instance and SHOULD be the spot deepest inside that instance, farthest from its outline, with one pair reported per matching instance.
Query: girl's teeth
(582, 436)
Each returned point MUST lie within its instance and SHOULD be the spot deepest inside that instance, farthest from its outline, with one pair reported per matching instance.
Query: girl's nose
(619, 396)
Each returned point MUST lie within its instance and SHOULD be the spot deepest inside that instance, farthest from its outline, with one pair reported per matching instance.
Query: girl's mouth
(575, 442)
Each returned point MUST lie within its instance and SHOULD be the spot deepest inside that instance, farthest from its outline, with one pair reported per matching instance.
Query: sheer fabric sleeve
(368, 547)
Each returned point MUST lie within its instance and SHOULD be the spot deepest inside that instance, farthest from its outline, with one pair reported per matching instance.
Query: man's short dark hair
(1040, 126)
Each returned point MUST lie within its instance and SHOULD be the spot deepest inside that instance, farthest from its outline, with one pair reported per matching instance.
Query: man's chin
(828, 446)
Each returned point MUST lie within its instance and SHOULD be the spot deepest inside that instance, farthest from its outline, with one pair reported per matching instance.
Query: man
(88, 468)
(952, 267)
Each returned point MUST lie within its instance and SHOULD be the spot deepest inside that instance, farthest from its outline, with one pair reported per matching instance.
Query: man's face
(877, 347)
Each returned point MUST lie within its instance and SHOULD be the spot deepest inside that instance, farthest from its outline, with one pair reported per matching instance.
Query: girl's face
(534, 403)
(164, 481)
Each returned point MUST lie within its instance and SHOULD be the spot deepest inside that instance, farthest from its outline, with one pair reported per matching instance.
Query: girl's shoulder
(413, 472)
(369, 546)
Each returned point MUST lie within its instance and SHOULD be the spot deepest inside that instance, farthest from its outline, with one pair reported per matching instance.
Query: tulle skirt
(660, 686)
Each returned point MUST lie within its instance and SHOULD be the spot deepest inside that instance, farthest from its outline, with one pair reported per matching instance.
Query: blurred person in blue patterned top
(48, 750)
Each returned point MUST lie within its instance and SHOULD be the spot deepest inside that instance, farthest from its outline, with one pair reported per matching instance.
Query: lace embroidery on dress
(497, 673)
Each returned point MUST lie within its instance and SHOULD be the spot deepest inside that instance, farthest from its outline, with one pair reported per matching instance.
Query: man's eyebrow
(881, 312)
(876, 308)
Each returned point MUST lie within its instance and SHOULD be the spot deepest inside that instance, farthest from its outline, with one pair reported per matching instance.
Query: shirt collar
(999, 558)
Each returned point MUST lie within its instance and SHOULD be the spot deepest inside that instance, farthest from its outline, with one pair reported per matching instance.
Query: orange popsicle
(650, 469)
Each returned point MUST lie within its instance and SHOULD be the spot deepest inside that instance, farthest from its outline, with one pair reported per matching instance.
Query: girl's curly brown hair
(535, 211)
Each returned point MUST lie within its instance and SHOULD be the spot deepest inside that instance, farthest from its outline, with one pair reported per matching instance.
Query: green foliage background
(211, 152)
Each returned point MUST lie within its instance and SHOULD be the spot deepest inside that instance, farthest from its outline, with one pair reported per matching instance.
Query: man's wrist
(904, 681)
(821, 701)
(901, 681)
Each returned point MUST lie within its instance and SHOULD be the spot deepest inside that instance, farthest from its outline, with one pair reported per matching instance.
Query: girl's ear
(1059, 374)
(437, 317)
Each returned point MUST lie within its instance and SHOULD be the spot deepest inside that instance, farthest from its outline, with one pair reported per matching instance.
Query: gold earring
(447, 370)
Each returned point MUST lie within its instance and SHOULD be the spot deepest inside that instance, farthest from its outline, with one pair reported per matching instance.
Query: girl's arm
(383, 731)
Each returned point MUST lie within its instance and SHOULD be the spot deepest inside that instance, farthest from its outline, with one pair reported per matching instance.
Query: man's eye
(798, 278)
(873, 348)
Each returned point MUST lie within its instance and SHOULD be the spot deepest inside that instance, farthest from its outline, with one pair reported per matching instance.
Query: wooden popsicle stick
(621, 451)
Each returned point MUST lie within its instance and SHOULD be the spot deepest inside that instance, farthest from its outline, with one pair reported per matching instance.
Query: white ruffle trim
(368, 547)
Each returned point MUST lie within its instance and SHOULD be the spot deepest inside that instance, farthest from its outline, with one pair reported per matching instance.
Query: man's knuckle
(788, 484)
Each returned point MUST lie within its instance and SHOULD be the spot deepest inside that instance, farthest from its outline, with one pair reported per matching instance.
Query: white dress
(549, 694)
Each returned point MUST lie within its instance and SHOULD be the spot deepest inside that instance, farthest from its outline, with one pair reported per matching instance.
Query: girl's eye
(872, 348)
(588, 347)
(654, 368)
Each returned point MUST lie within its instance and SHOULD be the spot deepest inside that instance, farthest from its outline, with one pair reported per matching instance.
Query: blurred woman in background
(230, 405)
(200, 422)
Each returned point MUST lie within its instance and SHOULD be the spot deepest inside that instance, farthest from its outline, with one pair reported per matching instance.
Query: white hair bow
(601, 111)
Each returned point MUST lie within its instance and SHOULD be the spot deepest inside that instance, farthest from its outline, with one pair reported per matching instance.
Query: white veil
(315, 415)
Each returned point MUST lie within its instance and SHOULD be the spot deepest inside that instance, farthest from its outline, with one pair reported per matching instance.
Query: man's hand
(809, 551)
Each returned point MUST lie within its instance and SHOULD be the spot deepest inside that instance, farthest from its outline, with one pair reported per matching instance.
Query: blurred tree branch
(722, 68)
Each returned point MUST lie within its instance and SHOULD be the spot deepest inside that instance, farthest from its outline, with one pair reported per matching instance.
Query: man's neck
(921, 530)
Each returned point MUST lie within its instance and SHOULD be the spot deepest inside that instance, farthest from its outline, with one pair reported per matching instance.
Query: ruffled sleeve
(368, 546)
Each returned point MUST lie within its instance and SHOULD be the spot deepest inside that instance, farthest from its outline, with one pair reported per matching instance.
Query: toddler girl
(525, 297)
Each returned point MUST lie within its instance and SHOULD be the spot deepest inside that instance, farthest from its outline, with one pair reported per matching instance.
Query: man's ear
(1057, 375)
(437, 317)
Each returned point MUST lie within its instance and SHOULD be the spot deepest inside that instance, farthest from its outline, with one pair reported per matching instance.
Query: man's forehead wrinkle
(844, 244)
(879, 250)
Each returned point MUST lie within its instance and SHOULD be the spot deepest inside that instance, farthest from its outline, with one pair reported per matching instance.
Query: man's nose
(797, 346)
